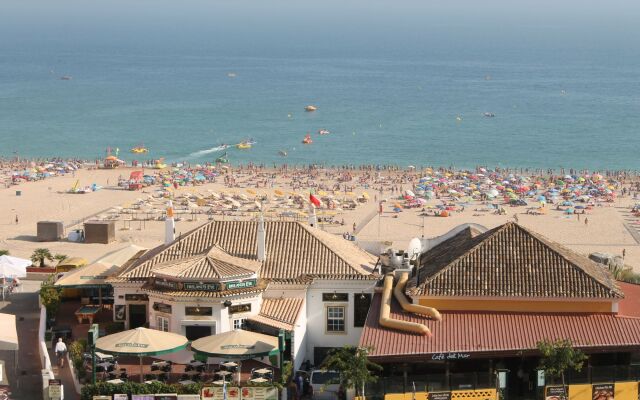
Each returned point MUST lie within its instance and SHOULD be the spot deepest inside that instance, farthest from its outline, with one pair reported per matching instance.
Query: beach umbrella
(141, 342)
(237, 345)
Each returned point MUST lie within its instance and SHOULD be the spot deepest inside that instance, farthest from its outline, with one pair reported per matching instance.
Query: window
(198, 311)
(335, 319)
(162, 324)
(361, 303)
(239, 323)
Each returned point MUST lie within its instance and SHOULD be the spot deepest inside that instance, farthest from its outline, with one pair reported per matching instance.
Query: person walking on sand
(16, 219)
(354, 227)
(586, 221)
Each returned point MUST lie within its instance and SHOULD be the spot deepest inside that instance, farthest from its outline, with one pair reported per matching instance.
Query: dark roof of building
(509, 261)
(279, 313)
(293, 249)
(492, 332)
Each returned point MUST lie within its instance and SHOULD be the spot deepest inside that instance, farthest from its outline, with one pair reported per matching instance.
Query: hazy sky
(390, 26)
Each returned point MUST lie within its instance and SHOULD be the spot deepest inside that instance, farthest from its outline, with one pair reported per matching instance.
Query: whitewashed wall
(316, 318)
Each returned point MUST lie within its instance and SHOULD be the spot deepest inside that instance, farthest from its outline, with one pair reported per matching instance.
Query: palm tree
(40, 255)
(60, 257)
(4, 252)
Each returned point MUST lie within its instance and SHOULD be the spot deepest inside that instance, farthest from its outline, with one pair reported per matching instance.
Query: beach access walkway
(631, 223)
(26, 380)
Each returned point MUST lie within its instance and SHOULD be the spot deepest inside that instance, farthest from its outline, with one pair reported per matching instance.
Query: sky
(296, 25)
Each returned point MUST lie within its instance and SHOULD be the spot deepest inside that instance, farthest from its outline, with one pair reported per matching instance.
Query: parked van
(325, 385)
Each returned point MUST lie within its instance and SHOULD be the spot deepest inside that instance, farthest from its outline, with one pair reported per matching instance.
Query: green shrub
(76, 349)
(50, 296)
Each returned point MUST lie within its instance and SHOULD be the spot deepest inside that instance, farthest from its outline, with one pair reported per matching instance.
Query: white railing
(45, 361)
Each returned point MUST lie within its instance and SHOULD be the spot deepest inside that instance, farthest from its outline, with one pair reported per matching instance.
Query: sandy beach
(48, 200)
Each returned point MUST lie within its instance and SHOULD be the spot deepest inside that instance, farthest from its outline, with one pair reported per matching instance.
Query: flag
(314, 200)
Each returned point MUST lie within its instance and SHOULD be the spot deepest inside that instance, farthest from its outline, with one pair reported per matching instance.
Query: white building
(267, 275)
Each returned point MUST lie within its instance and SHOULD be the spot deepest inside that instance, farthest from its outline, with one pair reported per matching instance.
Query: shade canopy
(96, 274)
(237, 344)
(13, 266)
(93, 275)
(141, 342)
(8, 333)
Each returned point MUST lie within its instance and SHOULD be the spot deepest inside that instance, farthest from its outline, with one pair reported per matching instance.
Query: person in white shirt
(60, 350)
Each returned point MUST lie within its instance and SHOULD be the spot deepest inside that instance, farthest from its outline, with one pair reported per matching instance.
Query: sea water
(393, 86)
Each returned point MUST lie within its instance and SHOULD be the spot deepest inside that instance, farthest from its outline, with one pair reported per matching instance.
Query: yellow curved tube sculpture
(398, 292)
(385, 310)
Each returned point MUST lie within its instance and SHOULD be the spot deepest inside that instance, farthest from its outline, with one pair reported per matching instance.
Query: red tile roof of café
(492, 332)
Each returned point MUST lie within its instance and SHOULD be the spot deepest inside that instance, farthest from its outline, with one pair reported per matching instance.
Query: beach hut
(50, 231)
(99, 232)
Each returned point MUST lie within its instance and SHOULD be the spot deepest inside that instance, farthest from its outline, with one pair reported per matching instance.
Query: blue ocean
(460, 84)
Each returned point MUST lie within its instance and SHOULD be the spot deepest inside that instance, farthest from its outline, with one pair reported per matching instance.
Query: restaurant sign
(239, 308)
(249, 283)
(235, 393)
(450, 356)
(162, 307)
(439, 396)
(136, 297)
(555, 393)
(187, 286)
(202, 286)
(161, 284)
(603, 391)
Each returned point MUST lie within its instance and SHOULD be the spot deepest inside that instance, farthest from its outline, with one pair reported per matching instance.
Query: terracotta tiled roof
(509, 261)
(279, 313)
(260, 287)
(467, 332)
(212, 265)
(293, 249)
(630, 306)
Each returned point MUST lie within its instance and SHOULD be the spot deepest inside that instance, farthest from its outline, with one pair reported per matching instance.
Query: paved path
(27, 383)
(626, 218)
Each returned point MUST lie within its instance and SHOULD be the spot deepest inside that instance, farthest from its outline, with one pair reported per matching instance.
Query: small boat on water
(282, 153)
(489, 115)
(231, 75)
(307, 139)
(310, 108)
(323, 132)
(66, 78)
(139, 150)
(246, 144)
(221, 147)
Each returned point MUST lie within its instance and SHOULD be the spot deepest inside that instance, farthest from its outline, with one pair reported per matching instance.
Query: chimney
(169, 225)
(313, 220)
(261, 240)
